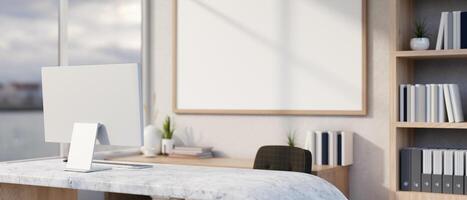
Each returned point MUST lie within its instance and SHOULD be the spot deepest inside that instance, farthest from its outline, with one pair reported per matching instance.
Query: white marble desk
(174, 181)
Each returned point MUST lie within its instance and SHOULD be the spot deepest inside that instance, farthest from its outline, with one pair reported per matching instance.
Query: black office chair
(283, 158)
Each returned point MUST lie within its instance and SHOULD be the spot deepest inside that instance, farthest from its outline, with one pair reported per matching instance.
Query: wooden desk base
(27, 192)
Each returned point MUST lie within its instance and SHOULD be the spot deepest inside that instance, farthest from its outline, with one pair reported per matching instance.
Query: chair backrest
(283, 158)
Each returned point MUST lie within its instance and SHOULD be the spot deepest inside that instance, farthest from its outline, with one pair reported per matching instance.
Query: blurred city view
(20, 96)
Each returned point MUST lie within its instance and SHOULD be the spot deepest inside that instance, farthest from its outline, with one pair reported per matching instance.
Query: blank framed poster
(291, 57)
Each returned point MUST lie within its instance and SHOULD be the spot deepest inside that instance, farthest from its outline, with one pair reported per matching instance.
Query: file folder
(427, 169)
(458, 179)
(404, 169)
(448, 171)
(416, 169)
(436, 178)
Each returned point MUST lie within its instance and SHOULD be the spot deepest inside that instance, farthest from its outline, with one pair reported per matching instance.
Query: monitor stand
(83, 140)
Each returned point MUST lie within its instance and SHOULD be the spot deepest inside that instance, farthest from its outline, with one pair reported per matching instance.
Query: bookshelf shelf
(428, 196)
(431, 54)
(462, 125)
(404, 69)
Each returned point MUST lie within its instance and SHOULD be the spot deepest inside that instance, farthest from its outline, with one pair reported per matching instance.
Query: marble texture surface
(163, 181)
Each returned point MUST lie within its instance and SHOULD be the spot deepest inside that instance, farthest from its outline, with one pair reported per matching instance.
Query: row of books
(191, 152)
(433, 170)
(330, 147)
(430, 103)
(452, 33)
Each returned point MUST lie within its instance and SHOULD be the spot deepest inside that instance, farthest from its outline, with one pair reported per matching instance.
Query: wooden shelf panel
(402, 195)
(432, 54)
(462, 125)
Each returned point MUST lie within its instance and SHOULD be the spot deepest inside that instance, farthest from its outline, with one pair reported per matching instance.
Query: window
(104, 31)
(28, 41)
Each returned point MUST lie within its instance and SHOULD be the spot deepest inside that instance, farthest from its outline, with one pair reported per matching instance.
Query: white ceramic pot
(419, 43)
(152, 141)
(167, 146)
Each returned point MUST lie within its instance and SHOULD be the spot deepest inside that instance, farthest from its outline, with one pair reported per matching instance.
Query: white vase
(167, 146)
(419, 43)
(152, 141)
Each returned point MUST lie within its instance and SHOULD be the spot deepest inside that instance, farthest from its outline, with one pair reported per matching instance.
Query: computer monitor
(85, 102)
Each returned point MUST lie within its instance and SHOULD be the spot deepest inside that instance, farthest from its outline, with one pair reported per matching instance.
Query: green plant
(167, 128)
(420, 29)
(291, 138)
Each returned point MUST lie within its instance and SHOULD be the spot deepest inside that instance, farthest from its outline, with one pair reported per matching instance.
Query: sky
(100, 32)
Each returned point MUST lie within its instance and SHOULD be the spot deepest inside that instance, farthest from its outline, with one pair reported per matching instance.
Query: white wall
(22, 136)
(240, 136)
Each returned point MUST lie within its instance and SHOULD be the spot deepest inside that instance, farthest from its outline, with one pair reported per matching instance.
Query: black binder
(339, 149)
(447, 184)
(404, 169)
(410, 169)
(416, 169)
(325, 148)
(463, 34)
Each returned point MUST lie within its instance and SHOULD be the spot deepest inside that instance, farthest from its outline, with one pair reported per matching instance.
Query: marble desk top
(186, 182)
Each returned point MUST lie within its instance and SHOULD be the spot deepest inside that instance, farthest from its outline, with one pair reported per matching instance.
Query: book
(439, 41)
(420, 103)
(193, 149)
(441, 104)
(319, 148)
(448, 31)
(310, 145)
(325, 148)
(434, 103)
(456, 103)
(201, 155)
(463, 30)
(345, 149)
(428, 102)
(447, 100)
(456, 29)
(332, 148)
(411, 103)
(403, 103)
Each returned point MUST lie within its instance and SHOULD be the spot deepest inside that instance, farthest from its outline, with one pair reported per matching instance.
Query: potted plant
(421, 40)
(167, 134)
(291, 139)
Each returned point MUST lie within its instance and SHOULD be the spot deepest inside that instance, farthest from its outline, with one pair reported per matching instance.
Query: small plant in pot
(291, 139)
(421, 40)
(167, 134)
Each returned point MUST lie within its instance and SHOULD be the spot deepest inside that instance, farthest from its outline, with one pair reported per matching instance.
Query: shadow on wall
(286, 56)
(368, 172)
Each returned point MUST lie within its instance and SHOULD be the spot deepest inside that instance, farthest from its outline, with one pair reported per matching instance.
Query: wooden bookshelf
(403, 63)
(446, 125)
(429, 196)
(431, 54)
